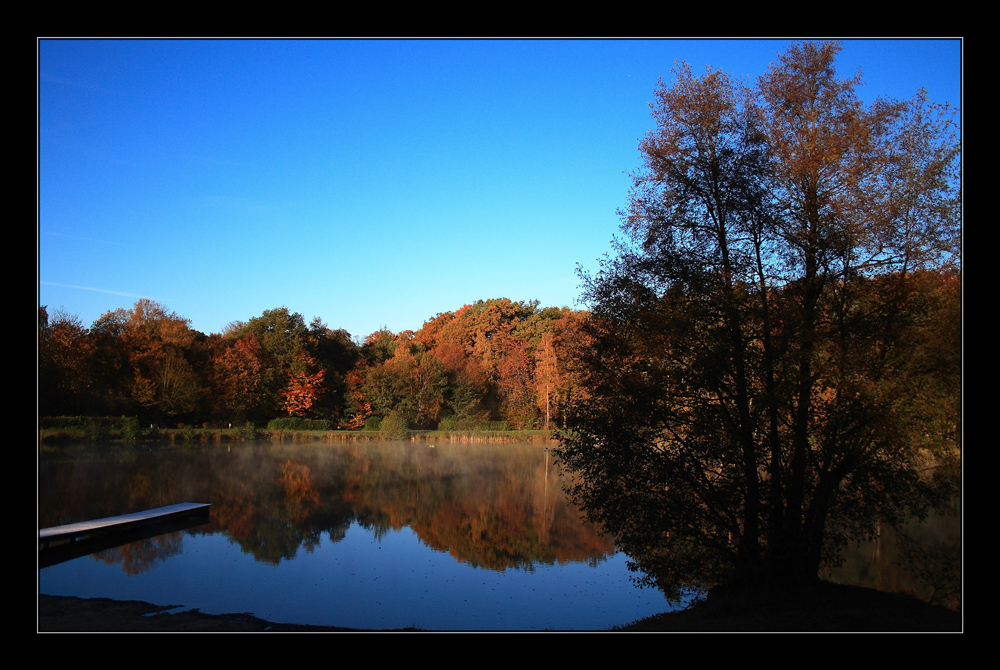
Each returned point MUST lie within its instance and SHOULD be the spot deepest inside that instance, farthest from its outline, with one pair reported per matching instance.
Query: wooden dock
(60, 543)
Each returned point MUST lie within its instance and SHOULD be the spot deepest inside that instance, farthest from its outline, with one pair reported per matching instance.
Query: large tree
(141, 362)
(748, 408)
(282, 336)
(238, 373)
(65, 365)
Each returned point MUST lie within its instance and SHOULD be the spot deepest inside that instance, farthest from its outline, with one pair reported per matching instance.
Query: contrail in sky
(96, 290)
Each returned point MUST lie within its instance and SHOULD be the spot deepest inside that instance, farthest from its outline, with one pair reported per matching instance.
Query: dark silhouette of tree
(749, 405)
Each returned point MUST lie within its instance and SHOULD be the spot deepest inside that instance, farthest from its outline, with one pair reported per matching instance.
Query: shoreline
(70, 614)
(824, 607)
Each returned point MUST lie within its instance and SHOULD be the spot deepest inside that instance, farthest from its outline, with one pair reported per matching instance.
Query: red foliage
(303, 389)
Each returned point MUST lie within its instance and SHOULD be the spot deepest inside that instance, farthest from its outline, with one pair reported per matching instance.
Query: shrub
(249, 431)
(394, 427)
(94, 431)
(373, 423)
(130, 429)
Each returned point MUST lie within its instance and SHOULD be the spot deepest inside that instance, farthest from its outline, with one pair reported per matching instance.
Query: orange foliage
(303, 389)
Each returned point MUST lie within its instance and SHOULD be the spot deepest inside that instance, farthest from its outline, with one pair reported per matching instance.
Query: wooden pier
(61, 543)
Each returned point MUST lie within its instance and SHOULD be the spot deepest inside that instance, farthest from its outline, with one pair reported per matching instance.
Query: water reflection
(461, 537)
(922, 558)
(493, 508)
(137, 557)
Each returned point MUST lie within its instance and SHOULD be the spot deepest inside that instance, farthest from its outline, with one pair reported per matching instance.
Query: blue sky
(370, 183)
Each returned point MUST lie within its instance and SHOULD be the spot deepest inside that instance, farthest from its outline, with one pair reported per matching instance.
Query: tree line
(493, 361)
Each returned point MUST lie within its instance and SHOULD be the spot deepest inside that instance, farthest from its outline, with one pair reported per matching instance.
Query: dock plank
(121, 522)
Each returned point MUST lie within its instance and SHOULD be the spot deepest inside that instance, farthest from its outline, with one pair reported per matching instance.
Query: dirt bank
(825, 607)
(67, 614)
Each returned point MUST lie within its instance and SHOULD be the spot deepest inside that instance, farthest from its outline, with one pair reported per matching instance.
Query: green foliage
(394, 427)
(384, 389)
(282, 336)
(131, 432)
(94, 430)
(454, 423)
(448, 423)
(298, 423)
(248, 431)
(379, 347)
(373, 423)
(463, 399)
(46, 422)
(97, 428)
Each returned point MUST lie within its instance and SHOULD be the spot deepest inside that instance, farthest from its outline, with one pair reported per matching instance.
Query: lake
(362, 535)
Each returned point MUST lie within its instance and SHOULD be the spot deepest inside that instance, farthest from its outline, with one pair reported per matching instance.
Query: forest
(512, 364)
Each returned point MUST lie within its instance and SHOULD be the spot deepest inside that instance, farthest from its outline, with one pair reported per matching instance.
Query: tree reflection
(138, 557)
(300, 496)
(922, 558)
(492, 506)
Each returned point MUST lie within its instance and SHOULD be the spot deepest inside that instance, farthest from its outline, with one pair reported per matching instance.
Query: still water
(362, 535)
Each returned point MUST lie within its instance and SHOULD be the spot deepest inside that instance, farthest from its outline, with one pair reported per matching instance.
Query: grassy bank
(193, 436)
(70, 435)
(423, 436)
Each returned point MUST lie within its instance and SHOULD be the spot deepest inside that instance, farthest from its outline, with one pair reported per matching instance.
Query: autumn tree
(450, 338)
(65, 359)
(159, 342)
(749, 409)
(238, 373)
(428, 383)
(572, 345)
(111, 369)
(379, 346)
(515, 384)
(142, 362)
(547, 377)
(357, 406)
(305, 385)
(282, 336)
(559, 382)
(411, 383)
(335, 352)
(495, 339)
